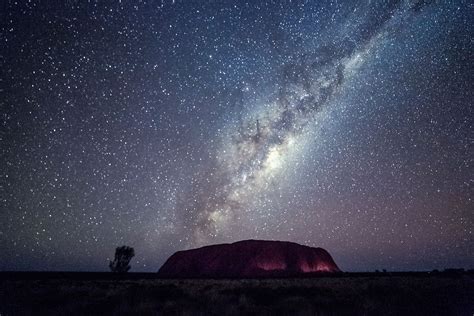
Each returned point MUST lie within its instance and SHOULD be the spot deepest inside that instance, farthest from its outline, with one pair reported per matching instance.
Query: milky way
(166, 125)
(255, 149)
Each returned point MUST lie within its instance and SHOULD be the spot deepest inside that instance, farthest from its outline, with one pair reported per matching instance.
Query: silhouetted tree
(123, 255)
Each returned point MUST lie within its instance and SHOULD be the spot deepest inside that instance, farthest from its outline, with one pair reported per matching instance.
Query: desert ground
(144, 294)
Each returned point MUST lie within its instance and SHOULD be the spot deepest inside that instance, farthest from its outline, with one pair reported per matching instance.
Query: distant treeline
(36, 275)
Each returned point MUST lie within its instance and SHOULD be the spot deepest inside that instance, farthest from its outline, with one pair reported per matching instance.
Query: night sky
(167, 125)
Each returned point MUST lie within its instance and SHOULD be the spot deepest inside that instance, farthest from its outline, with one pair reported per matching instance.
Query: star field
(166, 125)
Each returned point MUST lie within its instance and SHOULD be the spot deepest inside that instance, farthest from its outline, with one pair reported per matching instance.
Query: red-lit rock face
(247, 259)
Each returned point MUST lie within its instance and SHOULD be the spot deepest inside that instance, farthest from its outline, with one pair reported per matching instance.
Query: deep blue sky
(167, 125)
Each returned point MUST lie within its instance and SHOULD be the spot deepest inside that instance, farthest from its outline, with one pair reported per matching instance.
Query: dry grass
(374, 295)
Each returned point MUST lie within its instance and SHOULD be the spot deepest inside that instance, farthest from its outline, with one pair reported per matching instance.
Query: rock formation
(249, 259)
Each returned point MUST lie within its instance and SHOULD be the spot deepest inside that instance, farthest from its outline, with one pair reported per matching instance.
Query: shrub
(123, 255)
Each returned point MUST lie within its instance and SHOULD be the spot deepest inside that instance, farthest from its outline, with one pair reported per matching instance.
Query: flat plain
(37, 293)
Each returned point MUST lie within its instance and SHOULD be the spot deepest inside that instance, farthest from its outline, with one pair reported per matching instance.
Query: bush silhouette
(123, 255)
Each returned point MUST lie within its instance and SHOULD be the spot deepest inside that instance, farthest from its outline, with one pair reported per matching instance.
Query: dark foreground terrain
(144, 294)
